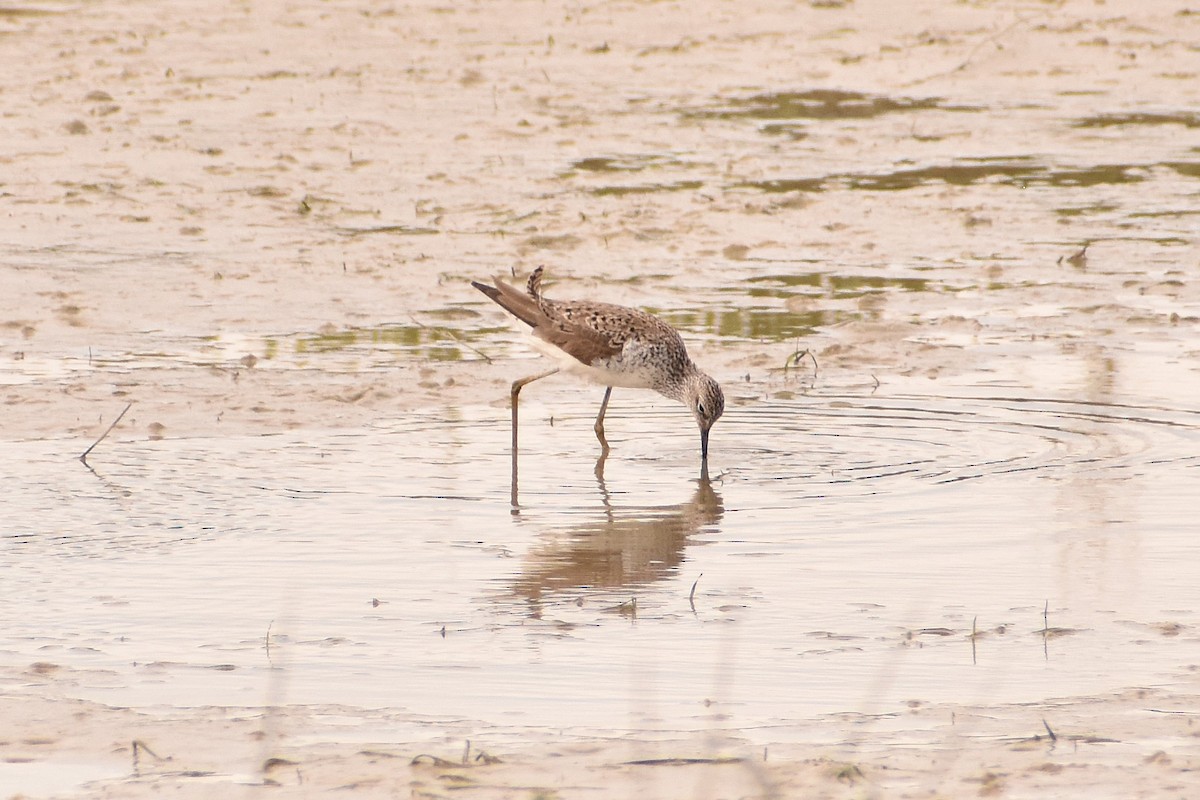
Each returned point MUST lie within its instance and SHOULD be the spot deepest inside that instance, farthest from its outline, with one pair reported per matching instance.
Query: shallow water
(842, 555)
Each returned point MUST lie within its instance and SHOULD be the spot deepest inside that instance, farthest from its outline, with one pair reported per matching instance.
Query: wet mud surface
(948, 550)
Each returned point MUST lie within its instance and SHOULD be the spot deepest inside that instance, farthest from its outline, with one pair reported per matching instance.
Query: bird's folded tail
(515, 302)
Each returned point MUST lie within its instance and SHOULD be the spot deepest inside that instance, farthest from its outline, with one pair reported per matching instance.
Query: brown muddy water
(257, 224)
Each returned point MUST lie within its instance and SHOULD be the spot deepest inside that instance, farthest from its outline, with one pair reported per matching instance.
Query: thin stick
(796, 357)
(1046, 631)
(84, 456)
(1049, 730)
(692, 594)
(994, 39)
(453, 336)
(138, 745)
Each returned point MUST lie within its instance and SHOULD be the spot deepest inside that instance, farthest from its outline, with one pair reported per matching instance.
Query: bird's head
(707, 403)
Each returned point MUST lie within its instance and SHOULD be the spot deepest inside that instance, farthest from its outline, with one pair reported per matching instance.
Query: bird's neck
(680, 386)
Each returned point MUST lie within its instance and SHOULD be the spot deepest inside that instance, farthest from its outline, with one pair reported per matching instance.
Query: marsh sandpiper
(610, 345)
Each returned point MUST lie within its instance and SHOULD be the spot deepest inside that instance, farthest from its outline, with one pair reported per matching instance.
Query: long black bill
(704, 445)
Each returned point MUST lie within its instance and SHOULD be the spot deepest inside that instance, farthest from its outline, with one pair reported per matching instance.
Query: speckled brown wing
(560, 324)
(574, 336)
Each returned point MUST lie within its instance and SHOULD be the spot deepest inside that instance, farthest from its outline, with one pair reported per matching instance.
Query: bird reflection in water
(620, 548)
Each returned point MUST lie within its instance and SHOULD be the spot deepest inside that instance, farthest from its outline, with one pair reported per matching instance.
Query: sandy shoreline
(1136, 743)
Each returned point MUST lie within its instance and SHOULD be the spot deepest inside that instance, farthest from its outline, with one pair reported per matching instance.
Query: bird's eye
(700, 407)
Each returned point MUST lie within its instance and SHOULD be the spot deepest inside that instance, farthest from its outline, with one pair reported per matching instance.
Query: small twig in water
(794, 359)
(434, 760)
(139, 745)
(692, 593)
(626, 609)
(453, 336)
(1046, 631)
(993, 40)
(1049, 730)
(84, 456)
